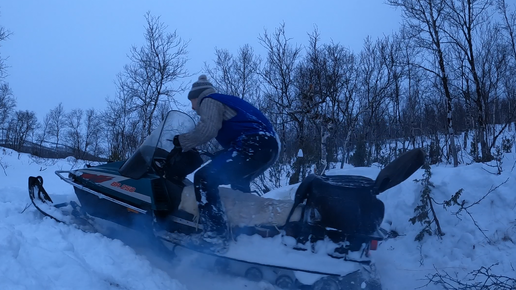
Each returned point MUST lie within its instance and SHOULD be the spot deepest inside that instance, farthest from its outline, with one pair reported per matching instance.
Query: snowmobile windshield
(157, 144)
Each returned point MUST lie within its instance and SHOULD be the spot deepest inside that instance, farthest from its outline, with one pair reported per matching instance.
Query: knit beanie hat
(201, 86)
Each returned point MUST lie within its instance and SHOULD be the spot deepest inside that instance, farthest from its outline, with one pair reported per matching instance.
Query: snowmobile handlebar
(202, 152)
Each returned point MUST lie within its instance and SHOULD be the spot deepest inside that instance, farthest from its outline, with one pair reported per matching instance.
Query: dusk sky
(70, 51)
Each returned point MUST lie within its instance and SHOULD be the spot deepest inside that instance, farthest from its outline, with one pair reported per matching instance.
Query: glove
(175, 141)
(172, 155)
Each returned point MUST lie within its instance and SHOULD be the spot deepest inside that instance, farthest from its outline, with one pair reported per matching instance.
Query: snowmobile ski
(69, 213)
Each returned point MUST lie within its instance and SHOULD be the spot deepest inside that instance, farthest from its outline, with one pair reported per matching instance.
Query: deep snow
(39, 253)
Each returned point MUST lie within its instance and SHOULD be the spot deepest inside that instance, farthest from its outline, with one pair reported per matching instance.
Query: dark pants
(246, 158)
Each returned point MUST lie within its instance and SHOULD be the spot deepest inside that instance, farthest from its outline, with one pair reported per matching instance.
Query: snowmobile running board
(167, 237)
(282, 276)
(99, 195)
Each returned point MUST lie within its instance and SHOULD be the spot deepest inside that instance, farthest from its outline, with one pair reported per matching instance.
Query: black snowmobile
(328, 230)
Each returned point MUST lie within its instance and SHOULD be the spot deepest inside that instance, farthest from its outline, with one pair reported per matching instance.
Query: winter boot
(215, 228)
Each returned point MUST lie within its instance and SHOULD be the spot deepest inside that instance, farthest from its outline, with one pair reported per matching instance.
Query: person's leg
(257, 153)
(233, 166)
(239, 165)
(211, 210)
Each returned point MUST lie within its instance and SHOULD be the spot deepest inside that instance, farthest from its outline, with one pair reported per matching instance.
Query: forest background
(446, 77)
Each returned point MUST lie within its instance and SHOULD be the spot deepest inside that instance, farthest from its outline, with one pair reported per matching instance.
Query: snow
(38, 253)
(485, 238)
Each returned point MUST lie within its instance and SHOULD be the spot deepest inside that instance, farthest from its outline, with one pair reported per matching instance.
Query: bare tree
(92, 133)
(7, 101)
(397, 71)
(44, 128)
(238, 75)
(7, 104)
(508, 25)
(494, 69)
(425, 21)
(153, 69)
(123, 129)
(278, 76)
(57, 123)
(466, 19)
(247, 69)
(320, 78)
(342, 89)
(304, 111)
(375, 85)
(73, 134)
(279, 91)
(223, 74)
(414, 87)
(20, 127)
(4, 34)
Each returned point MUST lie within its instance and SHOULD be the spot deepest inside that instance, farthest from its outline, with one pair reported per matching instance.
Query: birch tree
(4, 34)
(277, 75)
(57, 123)
(425, 22)
(237, 75)
(21, 126)
(466, 19)
(7, 103)
(155, 71)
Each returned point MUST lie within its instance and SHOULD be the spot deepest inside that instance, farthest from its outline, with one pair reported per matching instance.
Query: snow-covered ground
(39, 253)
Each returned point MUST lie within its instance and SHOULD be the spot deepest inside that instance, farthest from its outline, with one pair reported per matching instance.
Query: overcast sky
(70, 51)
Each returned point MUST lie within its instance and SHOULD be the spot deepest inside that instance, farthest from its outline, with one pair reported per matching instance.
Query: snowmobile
(323, 237)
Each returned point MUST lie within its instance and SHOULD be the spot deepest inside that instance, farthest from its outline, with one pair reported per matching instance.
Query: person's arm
(211, 113)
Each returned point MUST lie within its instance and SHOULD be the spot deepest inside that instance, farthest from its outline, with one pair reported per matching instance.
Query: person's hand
(172, 155)
(175, 141)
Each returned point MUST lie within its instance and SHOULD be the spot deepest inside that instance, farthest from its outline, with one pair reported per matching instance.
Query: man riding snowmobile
(328, 229)
(250, 147)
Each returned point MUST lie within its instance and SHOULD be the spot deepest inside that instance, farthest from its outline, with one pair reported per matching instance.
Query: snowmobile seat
(245, 209)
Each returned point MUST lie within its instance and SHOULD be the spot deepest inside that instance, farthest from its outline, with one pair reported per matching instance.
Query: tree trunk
(324, 136)
(451, 135)
(344, 146)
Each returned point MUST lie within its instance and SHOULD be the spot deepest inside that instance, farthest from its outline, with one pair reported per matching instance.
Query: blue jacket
(248, 121)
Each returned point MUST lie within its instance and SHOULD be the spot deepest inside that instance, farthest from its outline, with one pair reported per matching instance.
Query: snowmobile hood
(106, 180)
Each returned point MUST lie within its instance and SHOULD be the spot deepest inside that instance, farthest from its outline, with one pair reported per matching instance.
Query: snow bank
(486, 238)
(39, 253)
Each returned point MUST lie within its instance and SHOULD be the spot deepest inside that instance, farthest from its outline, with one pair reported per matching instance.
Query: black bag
(346, 203)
